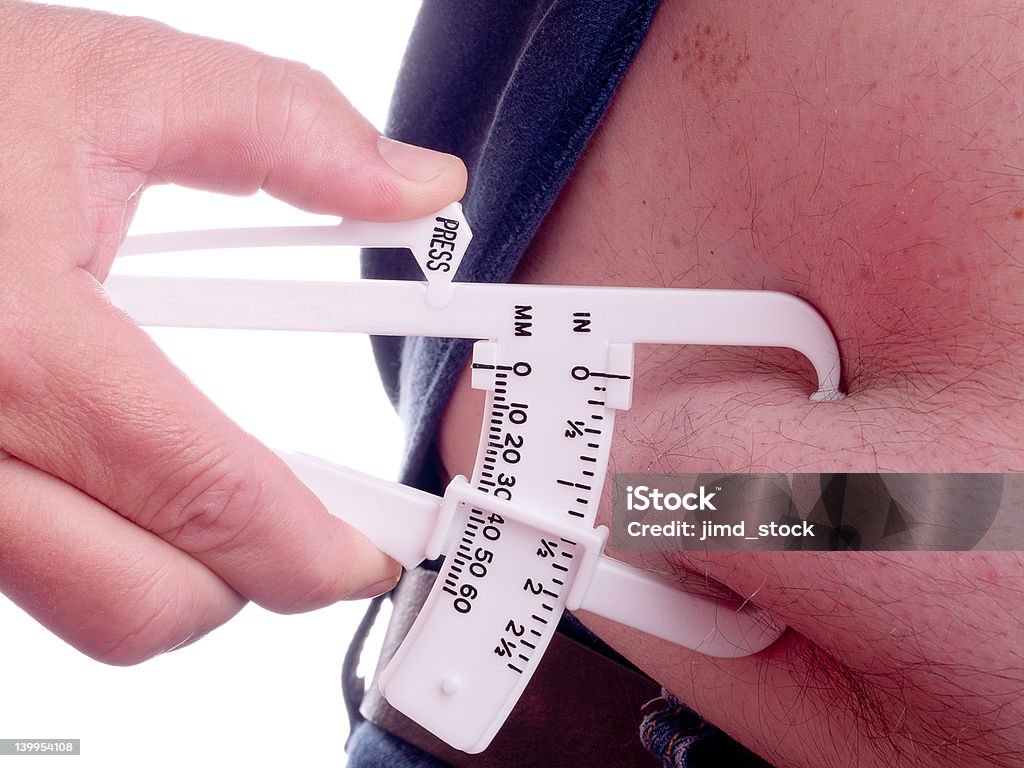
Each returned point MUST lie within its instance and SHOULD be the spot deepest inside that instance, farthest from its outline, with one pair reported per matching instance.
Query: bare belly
(868, 157)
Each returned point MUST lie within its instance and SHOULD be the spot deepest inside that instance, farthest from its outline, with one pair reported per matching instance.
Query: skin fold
(869, 158)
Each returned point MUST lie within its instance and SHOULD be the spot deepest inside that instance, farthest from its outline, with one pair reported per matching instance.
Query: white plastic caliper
(518, 538)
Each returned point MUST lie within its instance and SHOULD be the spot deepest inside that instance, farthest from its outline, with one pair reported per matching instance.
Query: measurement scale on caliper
(519, 539)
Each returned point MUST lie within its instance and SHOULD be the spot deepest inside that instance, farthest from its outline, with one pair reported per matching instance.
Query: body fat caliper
(518, 538)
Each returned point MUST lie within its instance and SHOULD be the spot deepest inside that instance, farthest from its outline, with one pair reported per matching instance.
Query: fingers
(107, 587)
(87, 397)
(84, 395)
(222, 117)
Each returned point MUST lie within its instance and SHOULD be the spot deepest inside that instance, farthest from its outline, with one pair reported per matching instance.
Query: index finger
(128, 103)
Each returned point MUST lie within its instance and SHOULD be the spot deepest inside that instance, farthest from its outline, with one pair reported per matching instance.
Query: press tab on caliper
(438, 242)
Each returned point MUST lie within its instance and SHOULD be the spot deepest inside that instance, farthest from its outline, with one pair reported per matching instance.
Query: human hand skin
(866, 156)
(135, 516)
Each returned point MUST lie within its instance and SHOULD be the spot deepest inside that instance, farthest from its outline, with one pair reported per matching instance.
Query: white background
(264, 689)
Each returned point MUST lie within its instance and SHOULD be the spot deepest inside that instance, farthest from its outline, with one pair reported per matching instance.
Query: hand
(134, 516)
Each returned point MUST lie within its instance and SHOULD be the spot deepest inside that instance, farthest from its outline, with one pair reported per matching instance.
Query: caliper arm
(411, 526)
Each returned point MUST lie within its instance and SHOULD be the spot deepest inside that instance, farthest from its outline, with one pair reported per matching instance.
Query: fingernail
(415, 163)
(373, 590)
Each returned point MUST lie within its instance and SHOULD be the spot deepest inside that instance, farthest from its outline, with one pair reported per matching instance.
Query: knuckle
(205, 505)
(289, 99)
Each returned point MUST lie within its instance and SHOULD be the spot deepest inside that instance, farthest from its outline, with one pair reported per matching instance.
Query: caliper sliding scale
(518, 538)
